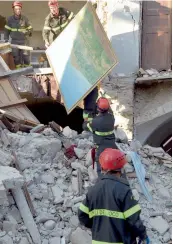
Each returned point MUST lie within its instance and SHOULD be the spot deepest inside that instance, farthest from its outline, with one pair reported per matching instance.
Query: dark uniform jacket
(56, 24)
(18, 29)
(102, 127)
(111, 212)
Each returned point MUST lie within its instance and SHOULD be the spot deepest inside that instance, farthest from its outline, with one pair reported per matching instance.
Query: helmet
(103, 104)
(52, 3)
(17, 3)
(112, 159)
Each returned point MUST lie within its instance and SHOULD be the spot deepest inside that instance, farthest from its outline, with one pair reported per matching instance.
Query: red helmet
(52, 3)
(103, 104)
(112, 159)
(17, 3)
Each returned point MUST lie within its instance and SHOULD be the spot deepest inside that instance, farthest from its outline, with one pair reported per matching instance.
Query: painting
(80, 57)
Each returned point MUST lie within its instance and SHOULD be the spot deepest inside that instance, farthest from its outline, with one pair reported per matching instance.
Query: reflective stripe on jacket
(111, 212)
(56, 24)
(17, 29)
(102, 127)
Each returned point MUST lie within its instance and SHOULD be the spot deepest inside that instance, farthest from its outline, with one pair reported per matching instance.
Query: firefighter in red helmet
(55, 22)
(19, 29)
(109, 209)
(102, 128)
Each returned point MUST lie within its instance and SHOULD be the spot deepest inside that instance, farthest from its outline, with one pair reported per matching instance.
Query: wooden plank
(9, 95)
(27, 195)
(4, 65)
(16, 72)
(43, 71)
(22, 47)
(8, 58)
(13, 103)
(5, 48)
(13, 117)
(78, 75)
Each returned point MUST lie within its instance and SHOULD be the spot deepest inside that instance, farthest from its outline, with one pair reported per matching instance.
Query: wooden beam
(16, 71)
(43, 71)
(22, 47)
(5, 48)
(13, 103)
(4, 65)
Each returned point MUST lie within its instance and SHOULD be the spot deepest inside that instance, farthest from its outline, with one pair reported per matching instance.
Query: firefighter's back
(105, 200)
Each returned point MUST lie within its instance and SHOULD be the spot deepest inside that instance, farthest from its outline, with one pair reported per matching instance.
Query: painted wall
(123, 32)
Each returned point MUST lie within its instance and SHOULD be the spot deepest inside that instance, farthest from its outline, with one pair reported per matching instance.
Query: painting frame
(92, 9)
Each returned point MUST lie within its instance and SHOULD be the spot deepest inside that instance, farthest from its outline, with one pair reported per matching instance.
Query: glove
(145, 241)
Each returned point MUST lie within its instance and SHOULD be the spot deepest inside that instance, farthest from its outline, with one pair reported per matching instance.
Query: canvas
(80, 57)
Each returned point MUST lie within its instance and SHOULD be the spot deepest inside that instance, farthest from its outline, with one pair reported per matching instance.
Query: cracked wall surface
(121, 93)
(122, 27)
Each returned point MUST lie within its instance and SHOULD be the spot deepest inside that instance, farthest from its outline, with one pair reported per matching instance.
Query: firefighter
(19, 29)
(109, 209)
(55, 22)
(102, 127)
(90, 108)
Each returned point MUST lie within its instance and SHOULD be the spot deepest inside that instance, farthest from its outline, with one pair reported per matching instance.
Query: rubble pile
(57, 184)
(153, 73)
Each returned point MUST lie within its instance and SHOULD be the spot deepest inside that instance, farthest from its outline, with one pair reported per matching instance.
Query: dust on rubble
(57, 185)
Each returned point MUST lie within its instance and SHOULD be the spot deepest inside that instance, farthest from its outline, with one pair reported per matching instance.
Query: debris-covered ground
(57, 185)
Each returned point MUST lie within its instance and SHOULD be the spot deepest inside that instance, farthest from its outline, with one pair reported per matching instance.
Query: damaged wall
(153, 110)
(123, 31)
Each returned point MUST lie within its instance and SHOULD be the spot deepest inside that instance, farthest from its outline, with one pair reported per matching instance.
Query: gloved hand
(145, 241)
(47, 45)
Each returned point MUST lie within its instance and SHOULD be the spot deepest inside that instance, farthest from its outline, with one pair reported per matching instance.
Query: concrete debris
(50, 224)
(55, 240)
(79, 235)
(24, 240)
(69, 133)
(129, 168)
(120, 135)
(153, 73)
(5, 158)
(6, 240)
(79, 153)
(57, 185)
(88, 161)
(159, 224)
